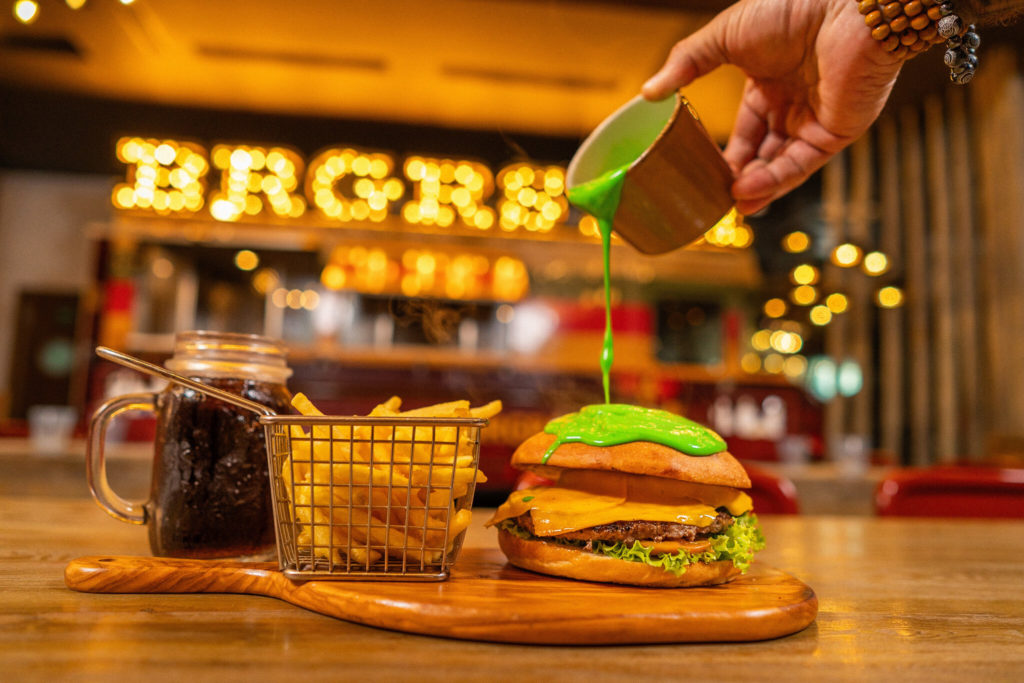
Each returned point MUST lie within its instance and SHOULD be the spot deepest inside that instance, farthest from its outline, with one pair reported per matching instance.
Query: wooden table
(917, 600)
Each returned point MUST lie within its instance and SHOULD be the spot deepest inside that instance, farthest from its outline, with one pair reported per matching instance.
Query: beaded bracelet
(906, 27)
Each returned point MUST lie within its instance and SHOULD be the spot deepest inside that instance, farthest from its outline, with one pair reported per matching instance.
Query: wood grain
(487, 600)
(929, 600)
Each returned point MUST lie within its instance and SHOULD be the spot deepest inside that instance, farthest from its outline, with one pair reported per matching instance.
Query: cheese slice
(563, 508)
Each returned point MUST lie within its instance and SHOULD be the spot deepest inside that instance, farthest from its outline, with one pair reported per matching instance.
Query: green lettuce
(737, 543)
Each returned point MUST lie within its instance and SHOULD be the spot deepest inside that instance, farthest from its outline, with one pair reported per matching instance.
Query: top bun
(637, 457)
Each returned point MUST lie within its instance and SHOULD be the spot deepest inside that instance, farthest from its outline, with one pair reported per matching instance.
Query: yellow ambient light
(750, 363)
(846, 255)
(730, 232)
(837, 303)
(774, 363)
(75, 4)
(246, 260)
(875, 263)
(26, 11)
(265, 279)
(795, 366)
(165, 176)
(348, 185)
(785, 342)
(820, 315)
(532, 198)
(804, 275)
(890, 297)
(761, 340)
(804, 295)
(253, 180)
(775, 308)
(796, 242)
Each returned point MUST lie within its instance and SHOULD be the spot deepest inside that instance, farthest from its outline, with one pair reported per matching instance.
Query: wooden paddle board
(487, 599)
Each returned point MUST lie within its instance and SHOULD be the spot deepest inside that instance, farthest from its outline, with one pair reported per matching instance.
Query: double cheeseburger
(637, 513)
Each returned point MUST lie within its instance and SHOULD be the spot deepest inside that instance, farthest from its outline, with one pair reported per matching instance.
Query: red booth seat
(952, 491)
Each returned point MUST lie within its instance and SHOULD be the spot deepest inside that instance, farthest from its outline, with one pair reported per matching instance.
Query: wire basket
(371, 497)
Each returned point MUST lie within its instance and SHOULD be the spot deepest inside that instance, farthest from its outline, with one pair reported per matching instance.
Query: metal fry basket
(371, 497)
(361, 497)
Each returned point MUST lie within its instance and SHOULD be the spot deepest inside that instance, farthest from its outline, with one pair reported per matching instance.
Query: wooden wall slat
(891, 365)
(916, 269)
(859, 319)
(944, 408)
(834, 195)
(967, 368)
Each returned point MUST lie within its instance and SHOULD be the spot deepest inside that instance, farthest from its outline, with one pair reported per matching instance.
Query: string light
(775, 308)
(761, 340)
(532, 198)
(875, 263)
(804, 274)
(846, 255)
(730, 232)
(796, 242)
(447, 190)
(820, 315)
(164, 176)
(804, 295)
(426, 272)
(347, 185)
(837, 303)
(246, 260)
(890, 297)
(26, 11)
(254, 179)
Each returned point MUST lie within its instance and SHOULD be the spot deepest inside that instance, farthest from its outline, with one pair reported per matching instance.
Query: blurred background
(381, 185)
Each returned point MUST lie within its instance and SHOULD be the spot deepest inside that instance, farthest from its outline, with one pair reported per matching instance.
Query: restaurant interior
(866, 321)
(382, 186)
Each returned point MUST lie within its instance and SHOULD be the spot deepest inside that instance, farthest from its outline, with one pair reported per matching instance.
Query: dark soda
(211, 488)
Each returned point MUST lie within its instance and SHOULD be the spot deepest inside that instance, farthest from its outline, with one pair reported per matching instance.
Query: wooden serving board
(487, 599)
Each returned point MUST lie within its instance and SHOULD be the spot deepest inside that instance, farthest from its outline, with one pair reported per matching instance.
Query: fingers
(696, 55)
(761, 181)
(748, 132)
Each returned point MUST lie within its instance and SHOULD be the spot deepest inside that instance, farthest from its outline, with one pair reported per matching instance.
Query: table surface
(921, 599)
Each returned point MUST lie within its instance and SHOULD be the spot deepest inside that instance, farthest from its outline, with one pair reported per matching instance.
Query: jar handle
(95, 457)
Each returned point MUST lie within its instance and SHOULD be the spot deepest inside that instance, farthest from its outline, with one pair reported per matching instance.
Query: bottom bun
(560, 560)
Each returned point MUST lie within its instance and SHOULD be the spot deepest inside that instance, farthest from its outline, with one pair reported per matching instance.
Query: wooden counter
(921, 600)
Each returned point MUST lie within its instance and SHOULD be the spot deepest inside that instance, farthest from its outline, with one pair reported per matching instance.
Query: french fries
(366, 494)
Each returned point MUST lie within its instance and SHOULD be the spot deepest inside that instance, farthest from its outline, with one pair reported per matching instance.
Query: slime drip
(611, 424)
(600, 198)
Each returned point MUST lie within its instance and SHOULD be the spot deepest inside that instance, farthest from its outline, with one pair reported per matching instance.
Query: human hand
(816, 80)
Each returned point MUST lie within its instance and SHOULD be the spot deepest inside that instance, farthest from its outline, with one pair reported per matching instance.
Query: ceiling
(554, 67)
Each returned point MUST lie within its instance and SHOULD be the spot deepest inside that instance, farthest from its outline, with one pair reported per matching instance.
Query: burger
(638, 512)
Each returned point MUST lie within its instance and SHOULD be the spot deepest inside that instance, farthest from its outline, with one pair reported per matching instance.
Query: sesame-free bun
(559, 560)
(637, 457)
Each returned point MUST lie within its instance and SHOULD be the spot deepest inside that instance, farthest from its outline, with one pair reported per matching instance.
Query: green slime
(614, 423)
(600, 198)
(611, 424)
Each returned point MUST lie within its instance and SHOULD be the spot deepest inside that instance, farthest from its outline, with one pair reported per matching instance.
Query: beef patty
(627, 532)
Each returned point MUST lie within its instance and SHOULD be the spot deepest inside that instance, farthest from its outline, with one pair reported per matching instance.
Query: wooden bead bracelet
(906, 27)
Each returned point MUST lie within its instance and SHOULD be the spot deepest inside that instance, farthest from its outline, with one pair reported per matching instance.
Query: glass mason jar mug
(210, 491)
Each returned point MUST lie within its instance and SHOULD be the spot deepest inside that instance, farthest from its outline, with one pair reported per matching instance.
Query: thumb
(690, 58)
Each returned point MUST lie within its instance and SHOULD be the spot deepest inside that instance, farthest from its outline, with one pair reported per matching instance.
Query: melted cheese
(578, 502)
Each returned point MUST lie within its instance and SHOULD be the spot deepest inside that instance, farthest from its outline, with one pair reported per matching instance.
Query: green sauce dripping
(600, 198)
(611, 424)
